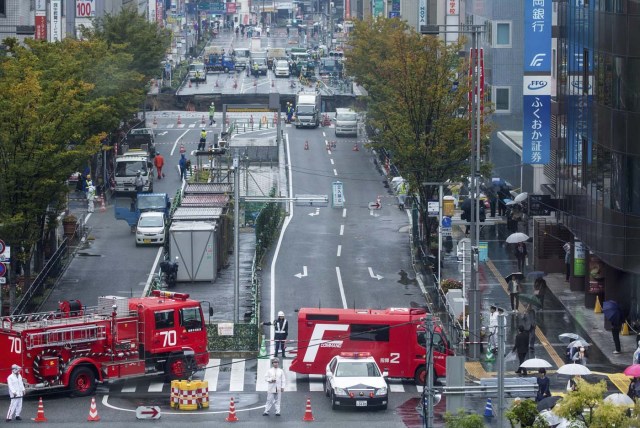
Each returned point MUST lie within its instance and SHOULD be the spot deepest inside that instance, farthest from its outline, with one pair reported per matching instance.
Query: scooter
(169, 272)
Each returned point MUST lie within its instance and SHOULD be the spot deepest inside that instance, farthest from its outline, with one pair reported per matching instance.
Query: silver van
(346, 122)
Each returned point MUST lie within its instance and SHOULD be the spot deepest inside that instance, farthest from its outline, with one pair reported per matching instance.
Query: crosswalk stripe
(170, 125)
(291, 376)
(192, 125)
(419, 388)
(261, 382)
(396, 387)
(181, 125)
(156, 387)
(316, 383)
(129, 388)
(236, 382)
(211, 373)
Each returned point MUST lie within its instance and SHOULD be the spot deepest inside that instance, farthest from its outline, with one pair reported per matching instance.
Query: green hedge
(245, 338)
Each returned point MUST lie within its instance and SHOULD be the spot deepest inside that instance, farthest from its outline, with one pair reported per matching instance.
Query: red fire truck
(77, 347)
(395, 337)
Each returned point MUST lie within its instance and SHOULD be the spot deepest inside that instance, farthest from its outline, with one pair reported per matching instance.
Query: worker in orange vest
(158, 161)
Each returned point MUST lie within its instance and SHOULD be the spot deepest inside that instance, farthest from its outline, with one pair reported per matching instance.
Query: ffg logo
(534, 85)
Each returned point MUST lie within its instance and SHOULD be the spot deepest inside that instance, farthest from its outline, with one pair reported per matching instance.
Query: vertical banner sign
(41, 25)
(579, 262)
(55, 12)
(536, 128)
(152, 10)
(452, 19)
(473, 92)
(422, 14)
(160, 12)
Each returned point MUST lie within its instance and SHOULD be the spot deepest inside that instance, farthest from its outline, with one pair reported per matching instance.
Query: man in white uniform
(276, 380)
(16, 392)
(493, 329)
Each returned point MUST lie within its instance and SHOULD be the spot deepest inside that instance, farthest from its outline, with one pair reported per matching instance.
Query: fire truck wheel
(82, 382)
(177, 367)
(421, 375)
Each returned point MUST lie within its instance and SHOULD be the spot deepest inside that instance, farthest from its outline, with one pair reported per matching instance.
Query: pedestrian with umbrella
(521, 255)
(580, 357)
(540, 289)
(613, 313)
(634, 388)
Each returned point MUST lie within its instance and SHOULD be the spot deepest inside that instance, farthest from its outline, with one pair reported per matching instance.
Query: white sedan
(281, 68)
(353, 379)
(151, 228)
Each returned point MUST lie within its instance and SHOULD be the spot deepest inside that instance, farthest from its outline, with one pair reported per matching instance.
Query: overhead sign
(148, 412)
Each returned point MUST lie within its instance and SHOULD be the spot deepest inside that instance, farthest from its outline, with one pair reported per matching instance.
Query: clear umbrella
(574, 369)
(514, 238)
(578, 343)
(521, 197)
(550, 418)
(620, 400)
(570, 337)
(536, 363)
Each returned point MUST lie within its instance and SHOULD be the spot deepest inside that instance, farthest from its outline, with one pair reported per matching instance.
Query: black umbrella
(548, 403)
(517, 275)
(612, 312)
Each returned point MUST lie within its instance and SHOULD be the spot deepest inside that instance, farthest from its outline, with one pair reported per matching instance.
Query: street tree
(418, 89)
(132, 32)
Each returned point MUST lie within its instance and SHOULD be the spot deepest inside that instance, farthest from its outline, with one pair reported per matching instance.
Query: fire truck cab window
(422, 338)
(438, 343)
(164, 319)
(369, 332)
(190, 318)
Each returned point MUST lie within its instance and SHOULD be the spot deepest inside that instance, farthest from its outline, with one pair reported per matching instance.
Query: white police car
(353, 379)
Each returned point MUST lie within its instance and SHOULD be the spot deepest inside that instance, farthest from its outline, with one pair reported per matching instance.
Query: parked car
(281, 68)
(151, 228)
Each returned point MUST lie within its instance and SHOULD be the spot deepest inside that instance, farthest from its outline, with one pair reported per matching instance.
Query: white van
(346, 122)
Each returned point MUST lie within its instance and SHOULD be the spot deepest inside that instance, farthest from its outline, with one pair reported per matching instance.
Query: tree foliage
(132, 33)
(417, 100)
(463, 420)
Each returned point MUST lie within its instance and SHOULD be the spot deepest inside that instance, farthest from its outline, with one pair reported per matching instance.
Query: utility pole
(236, 237)
(427, 391)
(500, 362)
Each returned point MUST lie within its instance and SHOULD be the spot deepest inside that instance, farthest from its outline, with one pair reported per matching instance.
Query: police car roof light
(355, 354)
(170, 294)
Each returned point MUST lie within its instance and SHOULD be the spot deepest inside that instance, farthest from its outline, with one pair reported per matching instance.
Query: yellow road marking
(539, 334)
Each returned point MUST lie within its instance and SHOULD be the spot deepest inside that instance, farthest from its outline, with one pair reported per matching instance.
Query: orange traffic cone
(93, 411)
(179, 120)
(306, 145)
(308, 416)
(355, 147)
(232, 412)
(40, 416)
(103, 207)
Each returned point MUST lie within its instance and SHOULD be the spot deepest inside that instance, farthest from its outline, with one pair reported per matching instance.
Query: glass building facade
(597, 129)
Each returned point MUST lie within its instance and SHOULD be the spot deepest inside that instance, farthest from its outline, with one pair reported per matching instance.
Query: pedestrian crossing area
(240, 375)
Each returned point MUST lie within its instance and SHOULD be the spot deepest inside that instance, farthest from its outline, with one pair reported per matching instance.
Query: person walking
(212, 112)
(514, 293)
(183, 167)
(521, 255)
(91, 197)
(493, 329)
(616, 326)
(281, 332)
(138, 182)
(276, 380)
(544, 384)
(540, 289)
(521, 347)
(636, 355)
(567, 260)
(580, 357)
(529, 324)
(16, 392)
(158, 161)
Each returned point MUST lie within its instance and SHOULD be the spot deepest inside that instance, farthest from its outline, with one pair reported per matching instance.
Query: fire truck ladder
(66, 336)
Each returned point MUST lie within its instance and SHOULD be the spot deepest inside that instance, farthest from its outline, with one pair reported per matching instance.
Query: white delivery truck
(126, 168)
(307, 109)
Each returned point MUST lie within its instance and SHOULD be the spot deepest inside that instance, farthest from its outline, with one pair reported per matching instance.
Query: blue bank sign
(536, 128)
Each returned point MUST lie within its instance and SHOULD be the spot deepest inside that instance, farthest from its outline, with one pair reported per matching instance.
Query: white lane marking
(153, 269)
(129, 388)
(236, 382)
(396, 387)
(344, 299)
(156, 387)
(105, 402)
(287, 220)
(291, 376)
(420, 388)
(323, 134)
(341, 229)
(344, 212)
(263, 366)
(339, 250)
(331, 160)
(211, 374)
(173, 149)
(335, 172)
(316, 383)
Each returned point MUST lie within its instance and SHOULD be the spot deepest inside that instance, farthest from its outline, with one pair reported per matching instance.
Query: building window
(502, 35)
(501, 99)
(3, 8)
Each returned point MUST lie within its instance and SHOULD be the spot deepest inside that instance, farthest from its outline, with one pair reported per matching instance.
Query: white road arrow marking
(163, 133)
(303, 274)
(378, 277)
(315, 213)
